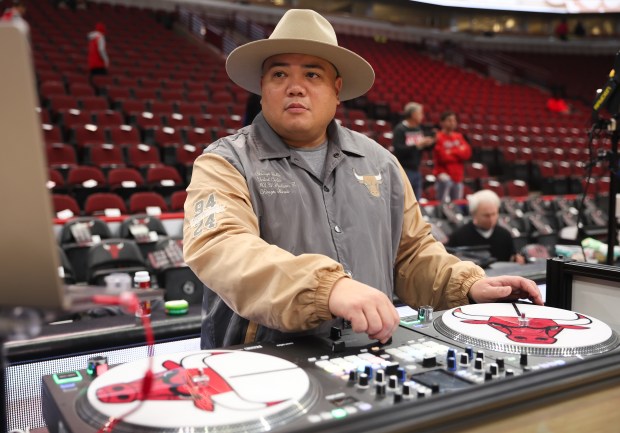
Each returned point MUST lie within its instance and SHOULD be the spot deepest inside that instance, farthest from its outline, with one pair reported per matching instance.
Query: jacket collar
(270, 146)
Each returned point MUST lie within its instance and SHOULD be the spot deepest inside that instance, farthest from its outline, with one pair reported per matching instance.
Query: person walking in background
(450, 153)
(409, 140)
(98, 61)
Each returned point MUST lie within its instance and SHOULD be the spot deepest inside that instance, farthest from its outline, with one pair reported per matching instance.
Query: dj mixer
(323, 383)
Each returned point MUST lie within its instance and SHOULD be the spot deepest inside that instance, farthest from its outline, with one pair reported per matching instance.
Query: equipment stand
(613, 188)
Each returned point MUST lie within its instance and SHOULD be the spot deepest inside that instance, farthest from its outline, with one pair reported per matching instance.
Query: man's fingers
(359, 324)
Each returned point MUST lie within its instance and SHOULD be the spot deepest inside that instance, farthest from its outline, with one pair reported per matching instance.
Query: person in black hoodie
(409, 139)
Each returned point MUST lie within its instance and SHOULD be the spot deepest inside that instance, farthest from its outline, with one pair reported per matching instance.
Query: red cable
(130, 302)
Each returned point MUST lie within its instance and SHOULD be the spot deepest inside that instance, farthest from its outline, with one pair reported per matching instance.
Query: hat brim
(244, 64)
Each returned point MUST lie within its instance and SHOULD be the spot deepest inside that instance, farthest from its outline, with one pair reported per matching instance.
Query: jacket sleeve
(259, 281)
(425, 273)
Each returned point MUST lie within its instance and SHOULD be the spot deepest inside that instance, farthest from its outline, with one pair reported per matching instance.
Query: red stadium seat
(61, 156)
(87, 135)
(177, 201)
(125, 181)
(55, 181)
(86, 180)
(124, 135)
(164, 180)
(108, 118)
(106, 156)
(100, 203)
(140, 201)
(143, 156)
(63, 202)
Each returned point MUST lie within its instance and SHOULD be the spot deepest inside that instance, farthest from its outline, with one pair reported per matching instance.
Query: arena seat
(139, 202)
(63, 202)
(105, 156)
(177, 201)
(164, 180)
(145, 230)
(61, 156)
(114, 256)
(124, 181)
(177, 279)
(76, 238)
(100, 203)
(85, 180)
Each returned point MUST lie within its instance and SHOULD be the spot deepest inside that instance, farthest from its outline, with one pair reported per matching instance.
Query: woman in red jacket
(450, 153)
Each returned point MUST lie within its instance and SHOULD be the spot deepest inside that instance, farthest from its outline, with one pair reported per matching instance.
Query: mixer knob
(494, 370)
(452, 363)
(425, 313)
(500, 364)
(523, 359)
(480, 354)
(401, 374)
(368, 371)
(487, 376)
(392, 382)
(470, 353)
(451, 353)
(407, 390)
(463, 360)
(509, 372)
(435, 388)
(353, 376)
(380, 376)
(391, 368)
(362, 380)
(478, 364)
(398, 396)
(429, 361)
(380, 389)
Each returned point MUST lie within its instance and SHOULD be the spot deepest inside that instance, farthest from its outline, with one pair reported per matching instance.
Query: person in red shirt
(561, 30)
(98, 61)
(450, 153)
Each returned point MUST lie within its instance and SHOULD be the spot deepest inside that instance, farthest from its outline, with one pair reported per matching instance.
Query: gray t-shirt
(315, 158)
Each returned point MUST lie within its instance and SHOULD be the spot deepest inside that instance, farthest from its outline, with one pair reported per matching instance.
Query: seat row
(90, 254)
(114, 205)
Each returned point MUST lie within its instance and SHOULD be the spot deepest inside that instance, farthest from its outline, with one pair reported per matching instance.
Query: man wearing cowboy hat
(295, 223)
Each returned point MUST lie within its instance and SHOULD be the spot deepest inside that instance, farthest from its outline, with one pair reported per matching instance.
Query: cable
(592, 134)
(129, 301)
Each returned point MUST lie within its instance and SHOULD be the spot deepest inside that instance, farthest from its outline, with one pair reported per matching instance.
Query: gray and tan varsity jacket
(269, 239)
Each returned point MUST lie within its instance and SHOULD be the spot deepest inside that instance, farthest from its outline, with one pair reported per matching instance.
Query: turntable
(527, 328)
(307, 385)
(232, 391)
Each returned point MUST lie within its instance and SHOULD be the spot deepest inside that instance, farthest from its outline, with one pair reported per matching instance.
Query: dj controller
(323, 383)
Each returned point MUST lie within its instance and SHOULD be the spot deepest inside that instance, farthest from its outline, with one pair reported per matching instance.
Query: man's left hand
(505, 288)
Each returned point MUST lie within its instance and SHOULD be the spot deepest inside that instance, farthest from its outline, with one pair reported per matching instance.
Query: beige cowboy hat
(301, 31)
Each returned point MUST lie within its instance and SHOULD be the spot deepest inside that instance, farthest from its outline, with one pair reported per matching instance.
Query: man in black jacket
(484, 230)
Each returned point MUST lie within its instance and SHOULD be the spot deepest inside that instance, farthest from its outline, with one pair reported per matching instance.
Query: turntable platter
(533, 329)
(219, 390)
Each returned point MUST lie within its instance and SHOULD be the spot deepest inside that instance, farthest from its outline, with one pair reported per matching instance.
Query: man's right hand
(368, 309)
